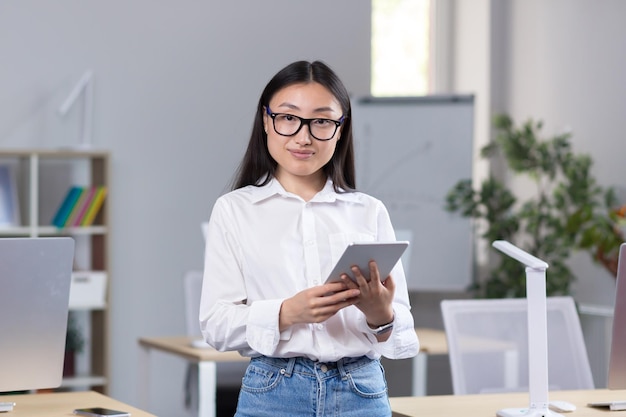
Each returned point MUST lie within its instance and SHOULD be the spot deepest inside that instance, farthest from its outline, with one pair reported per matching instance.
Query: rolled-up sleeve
(223, 310)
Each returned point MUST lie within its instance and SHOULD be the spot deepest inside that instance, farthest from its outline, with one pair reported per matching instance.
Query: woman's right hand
(316, 304)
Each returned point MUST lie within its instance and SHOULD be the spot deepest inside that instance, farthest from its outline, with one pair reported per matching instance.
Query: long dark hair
(257, 163)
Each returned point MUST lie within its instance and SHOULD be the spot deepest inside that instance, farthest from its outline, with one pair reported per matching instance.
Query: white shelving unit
(43, 178)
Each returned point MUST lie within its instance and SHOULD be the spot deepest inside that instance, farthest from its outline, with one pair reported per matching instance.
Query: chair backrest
(193, 288)
(488, 345)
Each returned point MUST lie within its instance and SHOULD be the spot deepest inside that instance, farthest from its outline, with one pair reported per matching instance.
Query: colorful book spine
(66, 207)
(76, 221)
(94, 207)
(76, 209)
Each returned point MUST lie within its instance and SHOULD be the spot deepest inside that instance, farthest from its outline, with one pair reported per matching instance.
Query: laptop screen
(617, 360)
(35, 276)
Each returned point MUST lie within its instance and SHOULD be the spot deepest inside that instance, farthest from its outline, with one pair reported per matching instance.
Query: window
(401, 47)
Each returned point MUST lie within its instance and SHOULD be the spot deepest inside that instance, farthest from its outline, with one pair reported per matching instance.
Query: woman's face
(301, 156)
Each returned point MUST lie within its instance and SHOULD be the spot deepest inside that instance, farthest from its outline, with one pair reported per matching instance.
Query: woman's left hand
(376, 297)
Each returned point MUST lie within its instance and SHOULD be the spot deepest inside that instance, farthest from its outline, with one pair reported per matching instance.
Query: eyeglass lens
(288, 125)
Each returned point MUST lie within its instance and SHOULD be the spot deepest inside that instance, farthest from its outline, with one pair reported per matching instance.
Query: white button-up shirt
(264, 245)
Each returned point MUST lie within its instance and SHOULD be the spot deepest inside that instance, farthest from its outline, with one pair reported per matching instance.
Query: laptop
(617, 360)
(35, 276)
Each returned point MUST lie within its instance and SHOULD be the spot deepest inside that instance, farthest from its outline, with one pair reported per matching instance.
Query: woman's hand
(316, 304)
(376, 297)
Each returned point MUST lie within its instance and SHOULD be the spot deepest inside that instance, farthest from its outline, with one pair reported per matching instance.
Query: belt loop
(290, 365)
(342, 371)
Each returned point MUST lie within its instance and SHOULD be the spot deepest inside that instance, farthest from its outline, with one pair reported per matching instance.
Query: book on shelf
(94, 208)
(83, 204)
(80, 202)
(80, 206)
(66, 206)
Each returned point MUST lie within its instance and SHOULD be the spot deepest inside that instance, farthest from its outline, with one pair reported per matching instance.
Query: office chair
(229, 374)
(488, 345)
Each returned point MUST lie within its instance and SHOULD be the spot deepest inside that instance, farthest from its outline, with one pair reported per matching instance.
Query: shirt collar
(326, 195)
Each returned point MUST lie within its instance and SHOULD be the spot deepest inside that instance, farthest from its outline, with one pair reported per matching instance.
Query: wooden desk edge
(181, 346)
(481, 404)
(432, 342)
(55, 403)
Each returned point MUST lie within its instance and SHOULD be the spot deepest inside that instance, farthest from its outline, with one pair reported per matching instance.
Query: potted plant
(567, 210)
(74, 343)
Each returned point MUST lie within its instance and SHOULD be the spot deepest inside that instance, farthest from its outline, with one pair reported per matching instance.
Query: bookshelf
(42, 179)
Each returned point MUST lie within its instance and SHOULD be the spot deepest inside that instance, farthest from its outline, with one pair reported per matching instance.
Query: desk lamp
(85, 87)
(537, 334)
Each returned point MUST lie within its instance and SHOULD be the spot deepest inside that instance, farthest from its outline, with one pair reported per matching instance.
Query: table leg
(511, 366)
(207, 387)
(144, 376)
(420, 374)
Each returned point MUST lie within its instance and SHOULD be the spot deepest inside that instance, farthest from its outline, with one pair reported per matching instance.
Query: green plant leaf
(568, 211)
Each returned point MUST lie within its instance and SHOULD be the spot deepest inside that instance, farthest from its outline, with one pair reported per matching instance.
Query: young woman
(272, 241)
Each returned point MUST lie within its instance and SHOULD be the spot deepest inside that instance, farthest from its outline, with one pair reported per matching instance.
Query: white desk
(431, 342)
(206, 359)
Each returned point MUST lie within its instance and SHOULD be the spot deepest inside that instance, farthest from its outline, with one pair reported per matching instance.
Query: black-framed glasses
(286, 124)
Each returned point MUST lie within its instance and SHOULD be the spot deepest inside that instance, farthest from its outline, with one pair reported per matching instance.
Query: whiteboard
(409, 153)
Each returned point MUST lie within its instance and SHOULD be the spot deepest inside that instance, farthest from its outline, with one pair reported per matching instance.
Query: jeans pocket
(261, 379)
(368, 381)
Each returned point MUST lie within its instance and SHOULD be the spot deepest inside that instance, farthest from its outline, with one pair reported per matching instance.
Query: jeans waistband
(288, 365)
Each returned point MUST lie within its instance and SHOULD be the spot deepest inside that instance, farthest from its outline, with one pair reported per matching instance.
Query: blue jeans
(350, 387)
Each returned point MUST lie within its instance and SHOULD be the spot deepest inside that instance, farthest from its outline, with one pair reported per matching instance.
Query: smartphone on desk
(100, 412)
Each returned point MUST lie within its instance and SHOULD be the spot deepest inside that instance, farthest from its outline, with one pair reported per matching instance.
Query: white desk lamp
(85, 86)
(537, 334)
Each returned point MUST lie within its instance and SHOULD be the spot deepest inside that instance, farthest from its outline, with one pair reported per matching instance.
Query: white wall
(565, 65)
(176, 84)
(568, 71)
(560, 61)
(472, 57)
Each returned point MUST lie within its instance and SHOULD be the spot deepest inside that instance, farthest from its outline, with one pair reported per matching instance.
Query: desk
(432, 342)
(483, 405)
(206, 359)
(62, 404)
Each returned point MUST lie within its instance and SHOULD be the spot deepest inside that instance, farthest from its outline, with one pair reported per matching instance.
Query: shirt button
(320, 327)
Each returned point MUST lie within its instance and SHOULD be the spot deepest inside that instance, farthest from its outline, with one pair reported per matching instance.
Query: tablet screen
(386, 255)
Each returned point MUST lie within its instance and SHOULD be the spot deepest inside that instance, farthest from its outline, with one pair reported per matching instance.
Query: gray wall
(176, 84)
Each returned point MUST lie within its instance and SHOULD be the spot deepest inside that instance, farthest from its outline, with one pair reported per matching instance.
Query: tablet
(386, 255)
